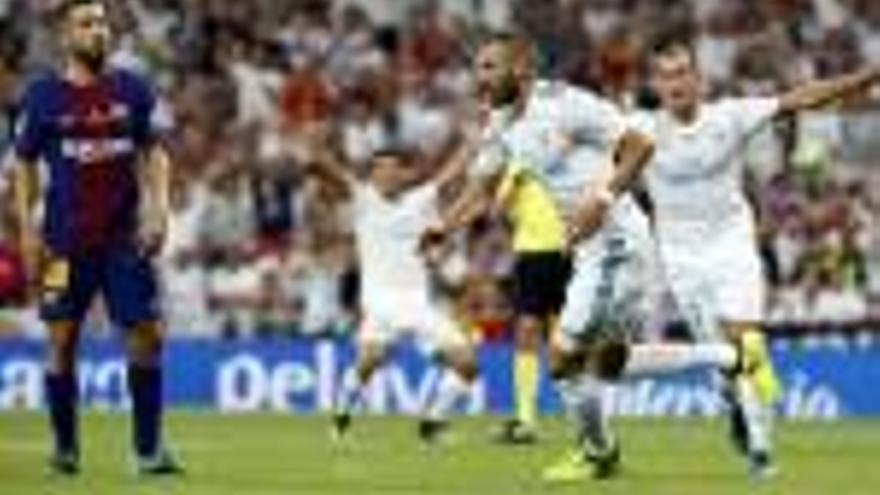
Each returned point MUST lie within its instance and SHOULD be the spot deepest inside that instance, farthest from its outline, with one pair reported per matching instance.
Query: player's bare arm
(454, 167)
(632, 153)
(25, 192)
(156, 186)
(504, 193)
(819, 93)
(469, 205)
(326, 164)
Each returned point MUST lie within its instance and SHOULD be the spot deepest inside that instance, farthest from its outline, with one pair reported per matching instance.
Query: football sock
(526, 373)
(451, 388)
(758, 416)
(349, 393)
(653, 359)
(584, 398)
(145, 385)
(62, 394)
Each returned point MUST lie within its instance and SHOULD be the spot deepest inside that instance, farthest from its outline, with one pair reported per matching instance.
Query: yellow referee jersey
(537, 222)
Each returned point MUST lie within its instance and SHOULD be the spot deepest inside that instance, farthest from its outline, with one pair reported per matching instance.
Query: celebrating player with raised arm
(396, 281)
(105, 206)
(705, 225)
(579, 148)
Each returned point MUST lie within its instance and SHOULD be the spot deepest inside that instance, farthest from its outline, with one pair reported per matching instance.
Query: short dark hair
(671, 39)
(519, 45)
(510, 38)
(67, 6)
(502, 37)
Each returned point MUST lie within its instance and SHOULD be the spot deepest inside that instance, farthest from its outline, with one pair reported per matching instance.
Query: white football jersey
(696, 178)
(387, 233)
(566, 135)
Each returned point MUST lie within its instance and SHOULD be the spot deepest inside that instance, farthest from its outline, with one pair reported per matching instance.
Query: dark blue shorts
(124, 277)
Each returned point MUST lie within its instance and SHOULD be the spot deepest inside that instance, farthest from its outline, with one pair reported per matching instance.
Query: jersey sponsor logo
(95, 117)
(86, 151)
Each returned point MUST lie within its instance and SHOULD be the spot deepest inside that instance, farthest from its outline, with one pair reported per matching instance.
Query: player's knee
(462, 360)
(145, 344)
(63, 338)
(610, 359)
(565, 363)
(467, 368)
(367, 367)
(369, 360)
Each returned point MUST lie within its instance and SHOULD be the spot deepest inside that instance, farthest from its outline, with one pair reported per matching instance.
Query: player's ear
(523, 57)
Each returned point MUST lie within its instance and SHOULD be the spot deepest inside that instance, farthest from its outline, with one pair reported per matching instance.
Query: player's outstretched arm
(455, 166)
(328, 166)
(632, 153)
(487, 162)
(816, 94)
(470, 204)
(509, 183)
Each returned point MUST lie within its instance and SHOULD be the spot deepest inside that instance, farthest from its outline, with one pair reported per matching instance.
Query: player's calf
(144, 344)
(460, 373)
(370, 358)
(62, 395)
(608, 358)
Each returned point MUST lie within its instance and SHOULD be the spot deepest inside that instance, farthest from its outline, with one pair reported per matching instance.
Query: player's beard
(507, 93)
(92, 59)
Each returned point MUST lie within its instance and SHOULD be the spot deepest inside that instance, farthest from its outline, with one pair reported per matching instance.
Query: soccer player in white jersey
(391, 210)
(578, 145)
(705, 225)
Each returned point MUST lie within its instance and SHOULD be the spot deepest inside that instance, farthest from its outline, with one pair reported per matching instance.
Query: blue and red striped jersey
(91, 138)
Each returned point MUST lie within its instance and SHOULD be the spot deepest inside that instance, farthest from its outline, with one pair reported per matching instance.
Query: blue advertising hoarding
(302, 376)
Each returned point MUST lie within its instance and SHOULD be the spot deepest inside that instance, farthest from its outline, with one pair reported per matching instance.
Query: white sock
(450, 390)
(349, 393)
(585, 401)
(655, 359)
(758, 416)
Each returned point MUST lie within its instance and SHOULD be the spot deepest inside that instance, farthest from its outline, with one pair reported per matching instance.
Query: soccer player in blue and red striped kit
(105, 199)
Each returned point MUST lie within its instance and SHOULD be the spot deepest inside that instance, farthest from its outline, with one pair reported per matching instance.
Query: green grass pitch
(282, 455)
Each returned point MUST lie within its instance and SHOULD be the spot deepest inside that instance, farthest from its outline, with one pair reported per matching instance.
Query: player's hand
(154, 230)
(432, 239)
(589, 217)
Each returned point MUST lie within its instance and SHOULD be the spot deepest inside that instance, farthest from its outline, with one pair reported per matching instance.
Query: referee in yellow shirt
(541, 272)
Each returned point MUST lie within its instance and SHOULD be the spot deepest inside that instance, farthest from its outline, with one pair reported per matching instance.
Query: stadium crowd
(260, 246)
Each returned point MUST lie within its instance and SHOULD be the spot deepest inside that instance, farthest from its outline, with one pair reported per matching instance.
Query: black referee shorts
(539, 282)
